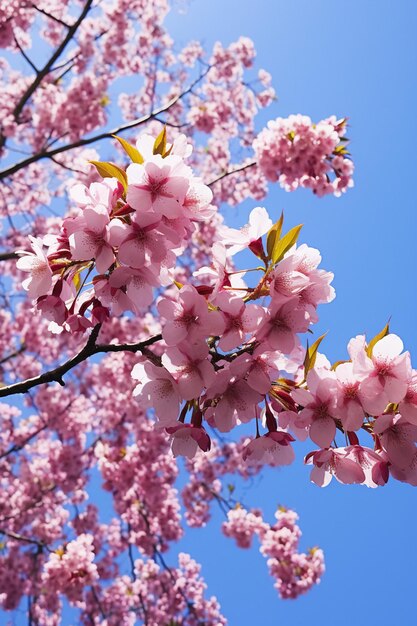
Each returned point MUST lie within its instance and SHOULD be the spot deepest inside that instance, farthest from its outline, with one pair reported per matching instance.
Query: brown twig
(46, 69)
(13, 354)
(241, 168)
(48, 154)
(17, 537)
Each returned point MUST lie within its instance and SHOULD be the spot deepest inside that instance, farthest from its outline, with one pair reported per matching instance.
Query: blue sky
(356, 59)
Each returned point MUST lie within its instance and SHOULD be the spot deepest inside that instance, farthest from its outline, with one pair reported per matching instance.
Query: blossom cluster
(294, 572)
(127, 236)
(223, 352)
(298, 153)
(375, 391)
(226, 360)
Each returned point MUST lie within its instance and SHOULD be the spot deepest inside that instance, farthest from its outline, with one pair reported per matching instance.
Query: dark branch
(13, 354)
(8, 256)
(48, 154)
(52, 17)
(17, 537)
(241, 168)
(90, 348)
(24, 55)
(46, 69)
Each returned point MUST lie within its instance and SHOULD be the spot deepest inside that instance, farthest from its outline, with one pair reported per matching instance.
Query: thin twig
(13, 354)
(52, 17)
(17, 537)
(24, 55)
(241, 168)
(40, 75)
(48, 154)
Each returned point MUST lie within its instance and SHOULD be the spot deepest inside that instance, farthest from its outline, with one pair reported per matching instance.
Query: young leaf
(281, 246)
(337, 363)
(340, 149)
(130, 150)
(109, 170)
(273, 235)
(160, 145)
(384, 332)
(311, 354)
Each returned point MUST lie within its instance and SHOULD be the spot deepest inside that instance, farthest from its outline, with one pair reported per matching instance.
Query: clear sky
(355, 59)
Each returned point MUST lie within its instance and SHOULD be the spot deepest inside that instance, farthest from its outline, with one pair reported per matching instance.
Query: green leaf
(384, 332)
(109, 170)
(274, 234)
(311, 354)
(130, 150)
(160, 145)
(282, 246)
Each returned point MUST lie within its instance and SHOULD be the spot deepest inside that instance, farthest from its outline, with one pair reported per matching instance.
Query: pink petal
(323, 431)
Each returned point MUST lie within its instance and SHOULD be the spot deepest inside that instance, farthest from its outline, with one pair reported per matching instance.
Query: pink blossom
(259, 368)
(138, 285)
(374, 466)
(157, 389)
(281, 324)
(408, 405)
(236, 240)
(187, 438)
(319, 406)
(385, 374)
(349, 406)
(240, 319)
(234, 402)
(274, 449)
(188, 318)
(334, 462)
(190, 367)
(36, 262)
(143, 242)
(397, 438)
(159, 185)
(242, 525)
(71, 570)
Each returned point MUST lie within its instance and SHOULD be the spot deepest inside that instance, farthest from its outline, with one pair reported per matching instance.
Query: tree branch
(24, 55)
(241, 168)
(52, 17)
(12, 355)
(40, 75)
(8, 256)
(48, 154)
(90, 348)
(17, 537)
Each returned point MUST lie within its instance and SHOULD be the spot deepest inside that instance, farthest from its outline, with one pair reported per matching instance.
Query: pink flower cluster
(298, 153)
(375, 391)
(294, 572)
(70, 568)
(224, 353)
(130, 233)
